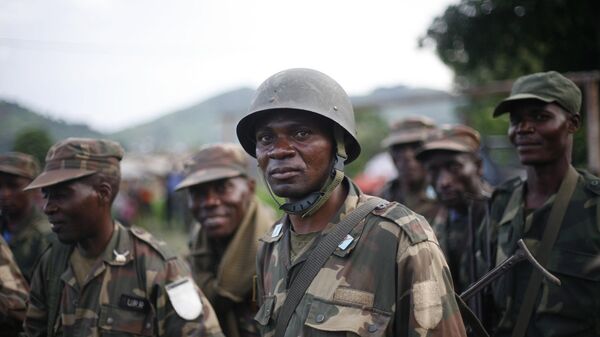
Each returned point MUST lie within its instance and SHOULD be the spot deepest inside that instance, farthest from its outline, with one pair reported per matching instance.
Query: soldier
(103, 278)
(339, 262)
(555, 210)
(455, 170)
(13, 293)
(410, 186)
(231, 219)
(23, 226)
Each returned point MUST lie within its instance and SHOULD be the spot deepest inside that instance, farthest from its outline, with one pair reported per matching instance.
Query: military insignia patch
(133, 303)
(184, 298)
(427, 302)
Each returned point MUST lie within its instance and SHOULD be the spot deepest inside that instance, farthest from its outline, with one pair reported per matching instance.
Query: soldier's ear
(105, 192)
(574, 121)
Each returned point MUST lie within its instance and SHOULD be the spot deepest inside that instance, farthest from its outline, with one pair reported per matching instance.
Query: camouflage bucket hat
(456, 138)
(409, 130)
(214, 162)
(549, 87)
(74, 158)
(19, 164)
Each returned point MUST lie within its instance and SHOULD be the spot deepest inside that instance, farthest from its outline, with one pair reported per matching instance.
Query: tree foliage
(33, 141)
(369, 124)
(483, 40)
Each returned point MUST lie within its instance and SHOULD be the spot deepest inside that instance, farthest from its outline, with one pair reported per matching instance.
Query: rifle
(521, 254)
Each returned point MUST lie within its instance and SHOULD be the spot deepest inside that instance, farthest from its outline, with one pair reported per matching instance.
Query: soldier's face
(73, 209)
(406, 163)
(295, 152)
(454, 176)
(541, 132)
(219, 206)
(13, 200)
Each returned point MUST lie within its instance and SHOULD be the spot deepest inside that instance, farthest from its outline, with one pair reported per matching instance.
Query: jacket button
(320, 318)
(595, 182)
(110, 320)
(372, 328)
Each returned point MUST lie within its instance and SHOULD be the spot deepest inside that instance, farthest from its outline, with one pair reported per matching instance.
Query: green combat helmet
(306, 90)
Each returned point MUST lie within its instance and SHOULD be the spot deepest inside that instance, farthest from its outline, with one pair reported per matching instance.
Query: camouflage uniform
(420, 203)
(31, 239)
(13, 292)
(225, 272)
(214, 273)
(135, 287)
(451, 226)
(123, 297)
(573, 308)
(391, 280)
(32, 233)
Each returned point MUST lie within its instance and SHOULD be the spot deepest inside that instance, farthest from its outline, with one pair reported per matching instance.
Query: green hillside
(15, 118)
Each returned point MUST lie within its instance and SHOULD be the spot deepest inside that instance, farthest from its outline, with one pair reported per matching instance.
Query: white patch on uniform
(347, 241)
(277, 230)
(184, 298)
(427, 302)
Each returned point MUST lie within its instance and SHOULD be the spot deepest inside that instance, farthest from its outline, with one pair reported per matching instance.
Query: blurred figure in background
(410, 185)
(451, 158)
(23, 225)
(224, 242)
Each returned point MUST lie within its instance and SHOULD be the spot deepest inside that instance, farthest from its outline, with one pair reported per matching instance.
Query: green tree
(33, 141)
(483, 40)
(487, 40)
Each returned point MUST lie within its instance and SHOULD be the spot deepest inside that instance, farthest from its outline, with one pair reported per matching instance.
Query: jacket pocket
(337, 319)
(574, 264)
(116, 321)
(263, 316)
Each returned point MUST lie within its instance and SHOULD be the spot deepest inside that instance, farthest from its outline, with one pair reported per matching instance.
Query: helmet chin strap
(311, 203)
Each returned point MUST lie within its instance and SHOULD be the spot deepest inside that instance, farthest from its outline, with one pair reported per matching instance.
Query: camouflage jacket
(13, 292)
(225, 274)
(419, 203)
(30, 241)
(125, 294)
(390, 280)
(452, 232)
(573, 309)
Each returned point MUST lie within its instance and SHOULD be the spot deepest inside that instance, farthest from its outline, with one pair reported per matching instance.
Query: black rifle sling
(317, 259)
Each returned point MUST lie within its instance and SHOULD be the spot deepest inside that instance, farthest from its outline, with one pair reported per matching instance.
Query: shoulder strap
(59, 258)
(555, 219)
(317, 259)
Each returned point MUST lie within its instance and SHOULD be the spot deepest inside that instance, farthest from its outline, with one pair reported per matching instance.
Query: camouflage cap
(74, 158)
(549, 87)
(456, 138)
(409, 130)
(214, 162)
(20, 164)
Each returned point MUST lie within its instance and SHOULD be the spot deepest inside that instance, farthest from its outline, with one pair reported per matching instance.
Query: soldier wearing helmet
(339, 261)
(410, 186)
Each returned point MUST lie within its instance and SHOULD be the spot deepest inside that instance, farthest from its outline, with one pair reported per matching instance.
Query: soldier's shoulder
(592, 182)
(412, 224)
(144, 237)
